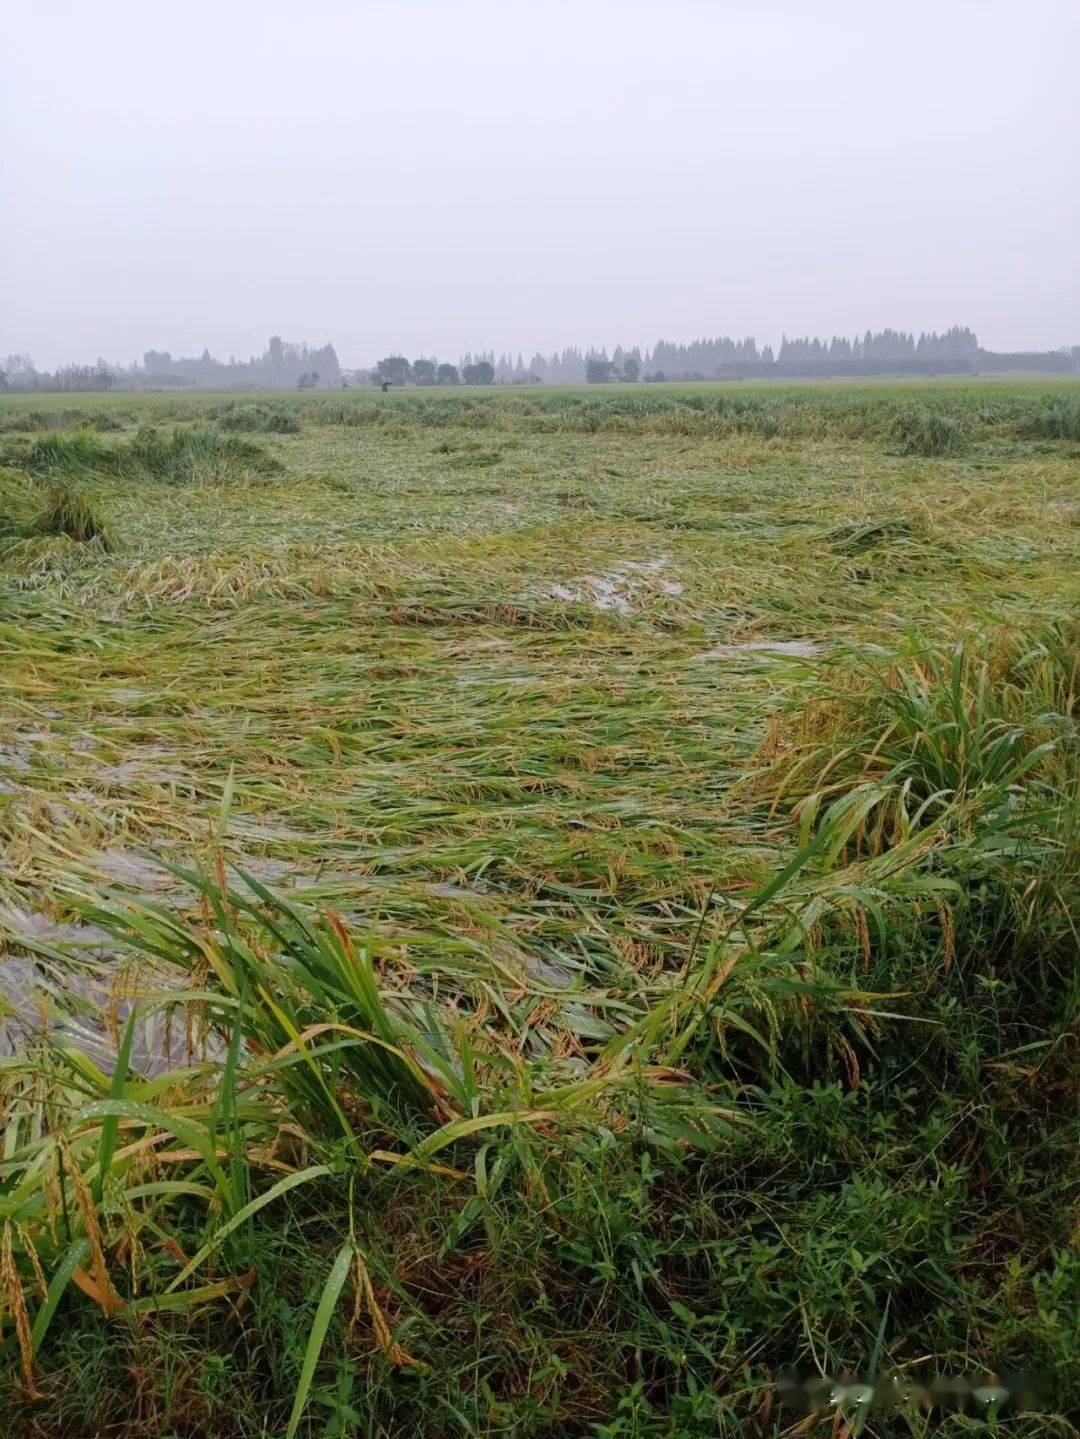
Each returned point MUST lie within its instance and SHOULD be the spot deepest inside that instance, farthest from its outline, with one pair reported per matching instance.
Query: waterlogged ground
(494, 683)
(470, 684)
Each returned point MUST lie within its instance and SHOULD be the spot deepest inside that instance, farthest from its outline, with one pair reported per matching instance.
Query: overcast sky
(421, 177)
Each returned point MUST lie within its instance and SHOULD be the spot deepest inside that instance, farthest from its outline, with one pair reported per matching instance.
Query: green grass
(196, 455)
(603, 867)
(67, 512)
(928, 432)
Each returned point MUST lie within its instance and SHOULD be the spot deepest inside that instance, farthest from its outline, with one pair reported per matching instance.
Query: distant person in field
(385, 386)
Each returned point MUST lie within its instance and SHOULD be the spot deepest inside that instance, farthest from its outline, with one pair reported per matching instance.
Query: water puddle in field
(794, 649)
(549, 974)
(246, 827)
(129, 694)
(134, 871)
(268, 870)
(619, 589)
(656, 569)
(69, 983)
(289, 879)
(82, 997)
(141, 764)
(20, 923)
(14, 761)
(470, 892)
(137, 771)
(87, 1010)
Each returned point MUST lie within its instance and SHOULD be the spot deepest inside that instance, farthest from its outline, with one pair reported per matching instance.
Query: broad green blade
(323, 1315)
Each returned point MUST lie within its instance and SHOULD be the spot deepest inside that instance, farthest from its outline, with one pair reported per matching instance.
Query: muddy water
(84, 1001)
(87, 1010)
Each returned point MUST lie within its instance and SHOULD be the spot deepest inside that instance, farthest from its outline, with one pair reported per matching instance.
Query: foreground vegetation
(527, 913)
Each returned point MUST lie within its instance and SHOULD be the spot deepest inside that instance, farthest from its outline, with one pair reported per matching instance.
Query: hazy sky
(406, 175)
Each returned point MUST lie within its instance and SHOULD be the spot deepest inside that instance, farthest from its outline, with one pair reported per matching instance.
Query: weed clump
(202, 454)
(928, 433)
(69, 512)
(79, 451)
(198, 456)
(975, 746)
(35, 422)
(258, 419)
(1057, 419)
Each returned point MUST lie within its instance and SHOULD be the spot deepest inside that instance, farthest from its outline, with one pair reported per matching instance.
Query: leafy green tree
(448, 375)
(599, 371)
(480, 373)
(631, 369)
(423, 372)
(394, 370)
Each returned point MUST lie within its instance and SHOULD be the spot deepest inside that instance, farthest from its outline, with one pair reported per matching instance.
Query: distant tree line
(883, 352)
(722, 355)
(959, 343)
(17, 372)
(295, 366)
(396, 370)
(280, 366)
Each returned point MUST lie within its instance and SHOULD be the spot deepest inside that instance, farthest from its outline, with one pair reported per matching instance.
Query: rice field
(528, 913)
